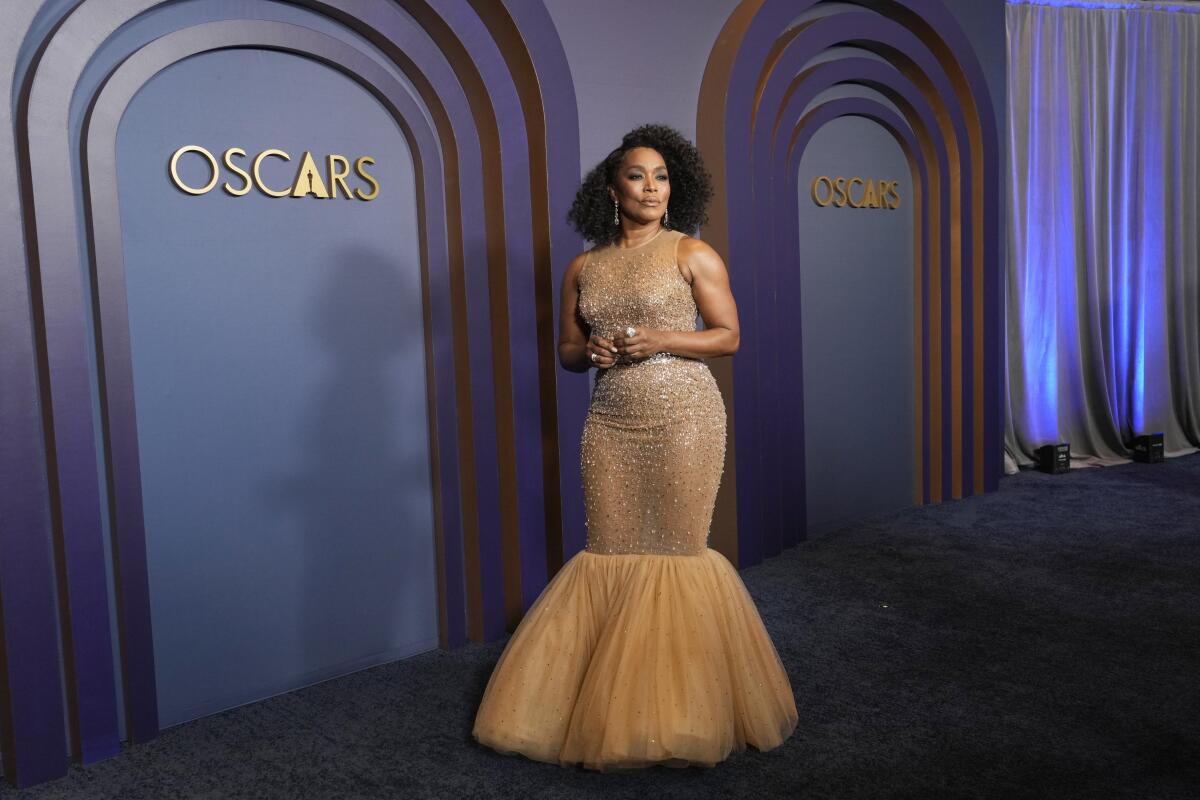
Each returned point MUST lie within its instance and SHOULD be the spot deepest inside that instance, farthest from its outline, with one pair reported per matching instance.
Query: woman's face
(642, 186)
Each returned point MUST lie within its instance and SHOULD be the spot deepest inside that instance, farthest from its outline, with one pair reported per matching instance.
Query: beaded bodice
(654, 440)
(639, 286)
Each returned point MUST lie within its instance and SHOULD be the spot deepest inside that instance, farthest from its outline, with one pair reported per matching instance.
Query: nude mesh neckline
(643, 244)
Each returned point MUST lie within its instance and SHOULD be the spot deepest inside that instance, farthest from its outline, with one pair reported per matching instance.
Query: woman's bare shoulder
(697, 256)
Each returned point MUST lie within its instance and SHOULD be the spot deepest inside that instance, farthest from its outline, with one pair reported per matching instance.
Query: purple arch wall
(493, 192)
(756, 115)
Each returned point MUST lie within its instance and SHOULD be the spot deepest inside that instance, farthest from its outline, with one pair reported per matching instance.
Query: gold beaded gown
(645, 648)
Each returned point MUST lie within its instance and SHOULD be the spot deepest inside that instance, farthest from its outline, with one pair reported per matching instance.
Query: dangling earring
(666, 217)
(616, 213)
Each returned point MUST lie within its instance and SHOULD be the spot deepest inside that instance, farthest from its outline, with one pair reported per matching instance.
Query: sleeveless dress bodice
(640, 286)
(654, 439)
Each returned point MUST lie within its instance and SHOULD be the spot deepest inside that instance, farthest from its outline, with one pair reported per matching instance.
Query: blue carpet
(1041, 641)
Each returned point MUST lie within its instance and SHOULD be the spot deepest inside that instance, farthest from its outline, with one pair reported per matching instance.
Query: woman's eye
(662, 178)
(635, 176)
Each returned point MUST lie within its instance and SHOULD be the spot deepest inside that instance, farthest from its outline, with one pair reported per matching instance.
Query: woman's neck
(636, 237)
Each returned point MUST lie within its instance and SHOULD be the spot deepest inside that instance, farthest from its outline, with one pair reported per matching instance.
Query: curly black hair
(691, 185)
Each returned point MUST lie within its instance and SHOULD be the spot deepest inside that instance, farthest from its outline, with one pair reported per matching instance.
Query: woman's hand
(601, 351)
(640, 345)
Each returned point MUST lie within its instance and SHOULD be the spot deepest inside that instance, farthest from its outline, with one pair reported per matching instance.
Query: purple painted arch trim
(521, 291)
(753, 463)
(33, 732)
(917, 113)
(934, 21)
(90, 684)
(461, 120)
(929, 19)
(562, 163)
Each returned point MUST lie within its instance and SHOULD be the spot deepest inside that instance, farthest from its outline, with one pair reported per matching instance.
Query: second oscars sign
(855, 193)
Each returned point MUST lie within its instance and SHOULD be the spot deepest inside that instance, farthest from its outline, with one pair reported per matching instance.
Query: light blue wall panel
(280, 386)
(857, 321)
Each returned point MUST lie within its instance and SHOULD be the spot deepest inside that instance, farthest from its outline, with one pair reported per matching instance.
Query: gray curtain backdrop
(1104, 235)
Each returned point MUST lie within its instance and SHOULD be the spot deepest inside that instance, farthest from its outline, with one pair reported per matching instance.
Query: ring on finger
(594, 356)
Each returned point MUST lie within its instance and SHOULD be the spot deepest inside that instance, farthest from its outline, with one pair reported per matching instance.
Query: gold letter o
(815, 191)
(193, 148)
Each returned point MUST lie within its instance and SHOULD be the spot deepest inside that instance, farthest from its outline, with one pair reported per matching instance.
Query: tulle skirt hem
(631, 660)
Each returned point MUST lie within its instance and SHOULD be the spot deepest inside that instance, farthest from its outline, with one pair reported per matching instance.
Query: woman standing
(645, 648)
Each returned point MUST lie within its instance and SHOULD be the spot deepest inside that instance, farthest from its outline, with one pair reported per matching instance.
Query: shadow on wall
(362, 498)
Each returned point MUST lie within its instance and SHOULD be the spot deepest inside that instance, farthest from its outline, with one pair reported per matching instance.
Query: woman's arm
(575, 345)
(704, 269)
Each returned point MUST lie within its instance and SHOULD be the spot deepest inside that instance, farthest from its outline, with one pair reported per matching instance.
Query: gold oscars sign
(855, 193)
(308, 181)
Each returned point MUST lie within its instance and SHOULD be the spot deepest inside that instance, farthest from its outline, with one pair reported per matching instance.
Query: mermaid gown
(645, 648)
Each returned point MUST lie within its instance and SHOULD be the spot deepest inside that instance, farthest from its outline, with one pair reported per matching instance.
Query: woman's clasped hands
(629, 346)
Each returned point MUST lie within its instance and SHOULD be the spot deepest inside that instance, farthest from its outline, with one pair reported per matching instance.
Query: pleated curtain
(1103, 255)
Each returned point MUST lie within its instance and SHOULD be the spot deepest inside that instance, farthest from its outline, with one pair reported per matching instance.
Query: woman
(645, 648)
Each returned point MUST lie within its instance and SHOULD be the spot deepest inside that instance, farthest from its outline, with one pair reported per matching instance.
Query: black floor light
(1148, 448)
(1054, 458)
